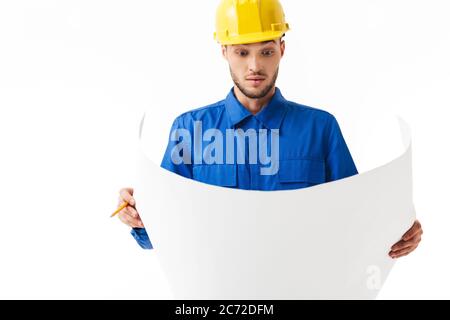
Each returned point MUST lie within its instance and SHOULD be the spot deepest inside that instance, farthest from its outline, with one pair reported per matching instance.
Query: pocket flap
(302, 170)
(217, 174)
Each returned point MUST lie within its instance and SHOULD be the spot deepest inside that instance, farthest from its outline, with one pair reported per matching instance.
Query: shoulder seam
(305, 107)
(210, 106)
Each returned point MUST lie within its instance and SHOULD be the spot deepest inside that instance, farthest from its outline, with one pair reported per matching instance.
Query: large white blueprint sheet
(330, 241)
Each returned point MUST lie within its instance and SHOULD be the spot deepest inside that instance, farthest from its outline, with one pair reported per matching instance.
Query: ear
(224, 52)
(282, 47)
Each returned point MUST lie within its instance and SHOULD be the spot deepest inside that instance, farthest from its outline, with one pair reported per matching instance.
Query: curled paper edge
(209, 249)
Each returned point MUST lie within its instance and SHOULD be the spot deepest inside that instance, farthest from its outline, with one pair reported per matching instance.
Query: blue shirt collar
(270, 115)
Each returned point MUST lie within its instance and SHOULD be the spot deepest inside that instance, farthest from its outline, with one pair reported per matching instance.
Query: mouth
(255, 80)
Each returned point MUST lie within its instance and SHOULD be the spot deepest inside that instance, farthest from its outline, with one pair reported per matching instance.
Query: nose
(254, 64)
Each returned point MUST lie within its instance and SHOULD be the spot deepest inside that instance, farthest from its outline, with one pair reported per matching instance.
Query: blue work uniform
(312, 149)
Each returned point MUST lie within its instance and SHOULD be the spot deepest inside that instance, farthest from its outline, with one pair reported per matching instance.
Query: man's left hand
(409, 241)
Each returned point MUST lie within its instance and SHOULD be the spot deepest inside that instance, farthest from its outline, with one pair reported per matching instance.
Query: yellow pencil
(123, 205)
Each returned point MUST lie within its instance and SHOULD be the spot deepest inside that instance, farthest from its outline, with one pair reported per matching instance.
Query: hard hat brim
(252, 38)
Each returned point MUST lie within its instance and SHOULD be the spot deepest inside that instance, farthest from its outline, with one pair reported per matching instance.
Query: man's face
(254, 67)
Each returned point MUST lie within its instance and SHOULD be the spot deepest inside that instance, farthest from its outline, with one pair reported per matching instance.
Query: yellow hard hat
(249, 21)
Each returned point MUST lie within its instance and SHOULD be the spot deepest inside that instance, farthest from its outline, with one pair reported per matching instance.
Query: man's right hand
(129, 214)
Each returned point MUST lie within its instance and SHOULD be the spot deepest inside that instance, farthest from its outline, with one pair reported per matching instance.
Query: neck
(253, 105)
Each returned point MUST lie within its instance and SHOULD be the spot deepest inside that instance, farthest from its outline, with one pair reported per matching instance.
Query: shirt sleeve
(339, 162)
(141, 237)
(185, 167)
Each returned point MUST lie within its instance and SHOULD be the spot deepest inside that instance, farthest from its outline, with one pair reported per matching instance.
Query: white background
(76, 77)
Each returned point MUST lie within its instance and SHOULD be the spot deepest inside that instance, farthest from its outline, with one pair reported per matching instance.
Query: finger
(123, 219)
(403, 255)
(416, 228)
(400, 249)
(120, 201)
(412, 234)
(127, 195)
(403, 252)
(134, 219)
(130, 221)
(129, 190)
(132, 211)
(399, 246)
(410, 231)
(404, 244)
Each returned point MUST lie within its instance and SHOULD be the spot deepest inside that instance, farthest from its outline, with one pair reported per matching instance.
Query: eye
(267, 53)
(242, 53)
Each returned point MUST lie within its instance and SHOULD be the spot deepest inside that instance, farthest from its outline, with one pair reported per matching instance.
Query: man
(305, 144)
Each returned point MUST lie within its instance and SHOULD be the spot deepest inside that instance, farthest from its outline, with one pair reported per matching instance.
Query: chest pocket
(302, 172)
(217, 174)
